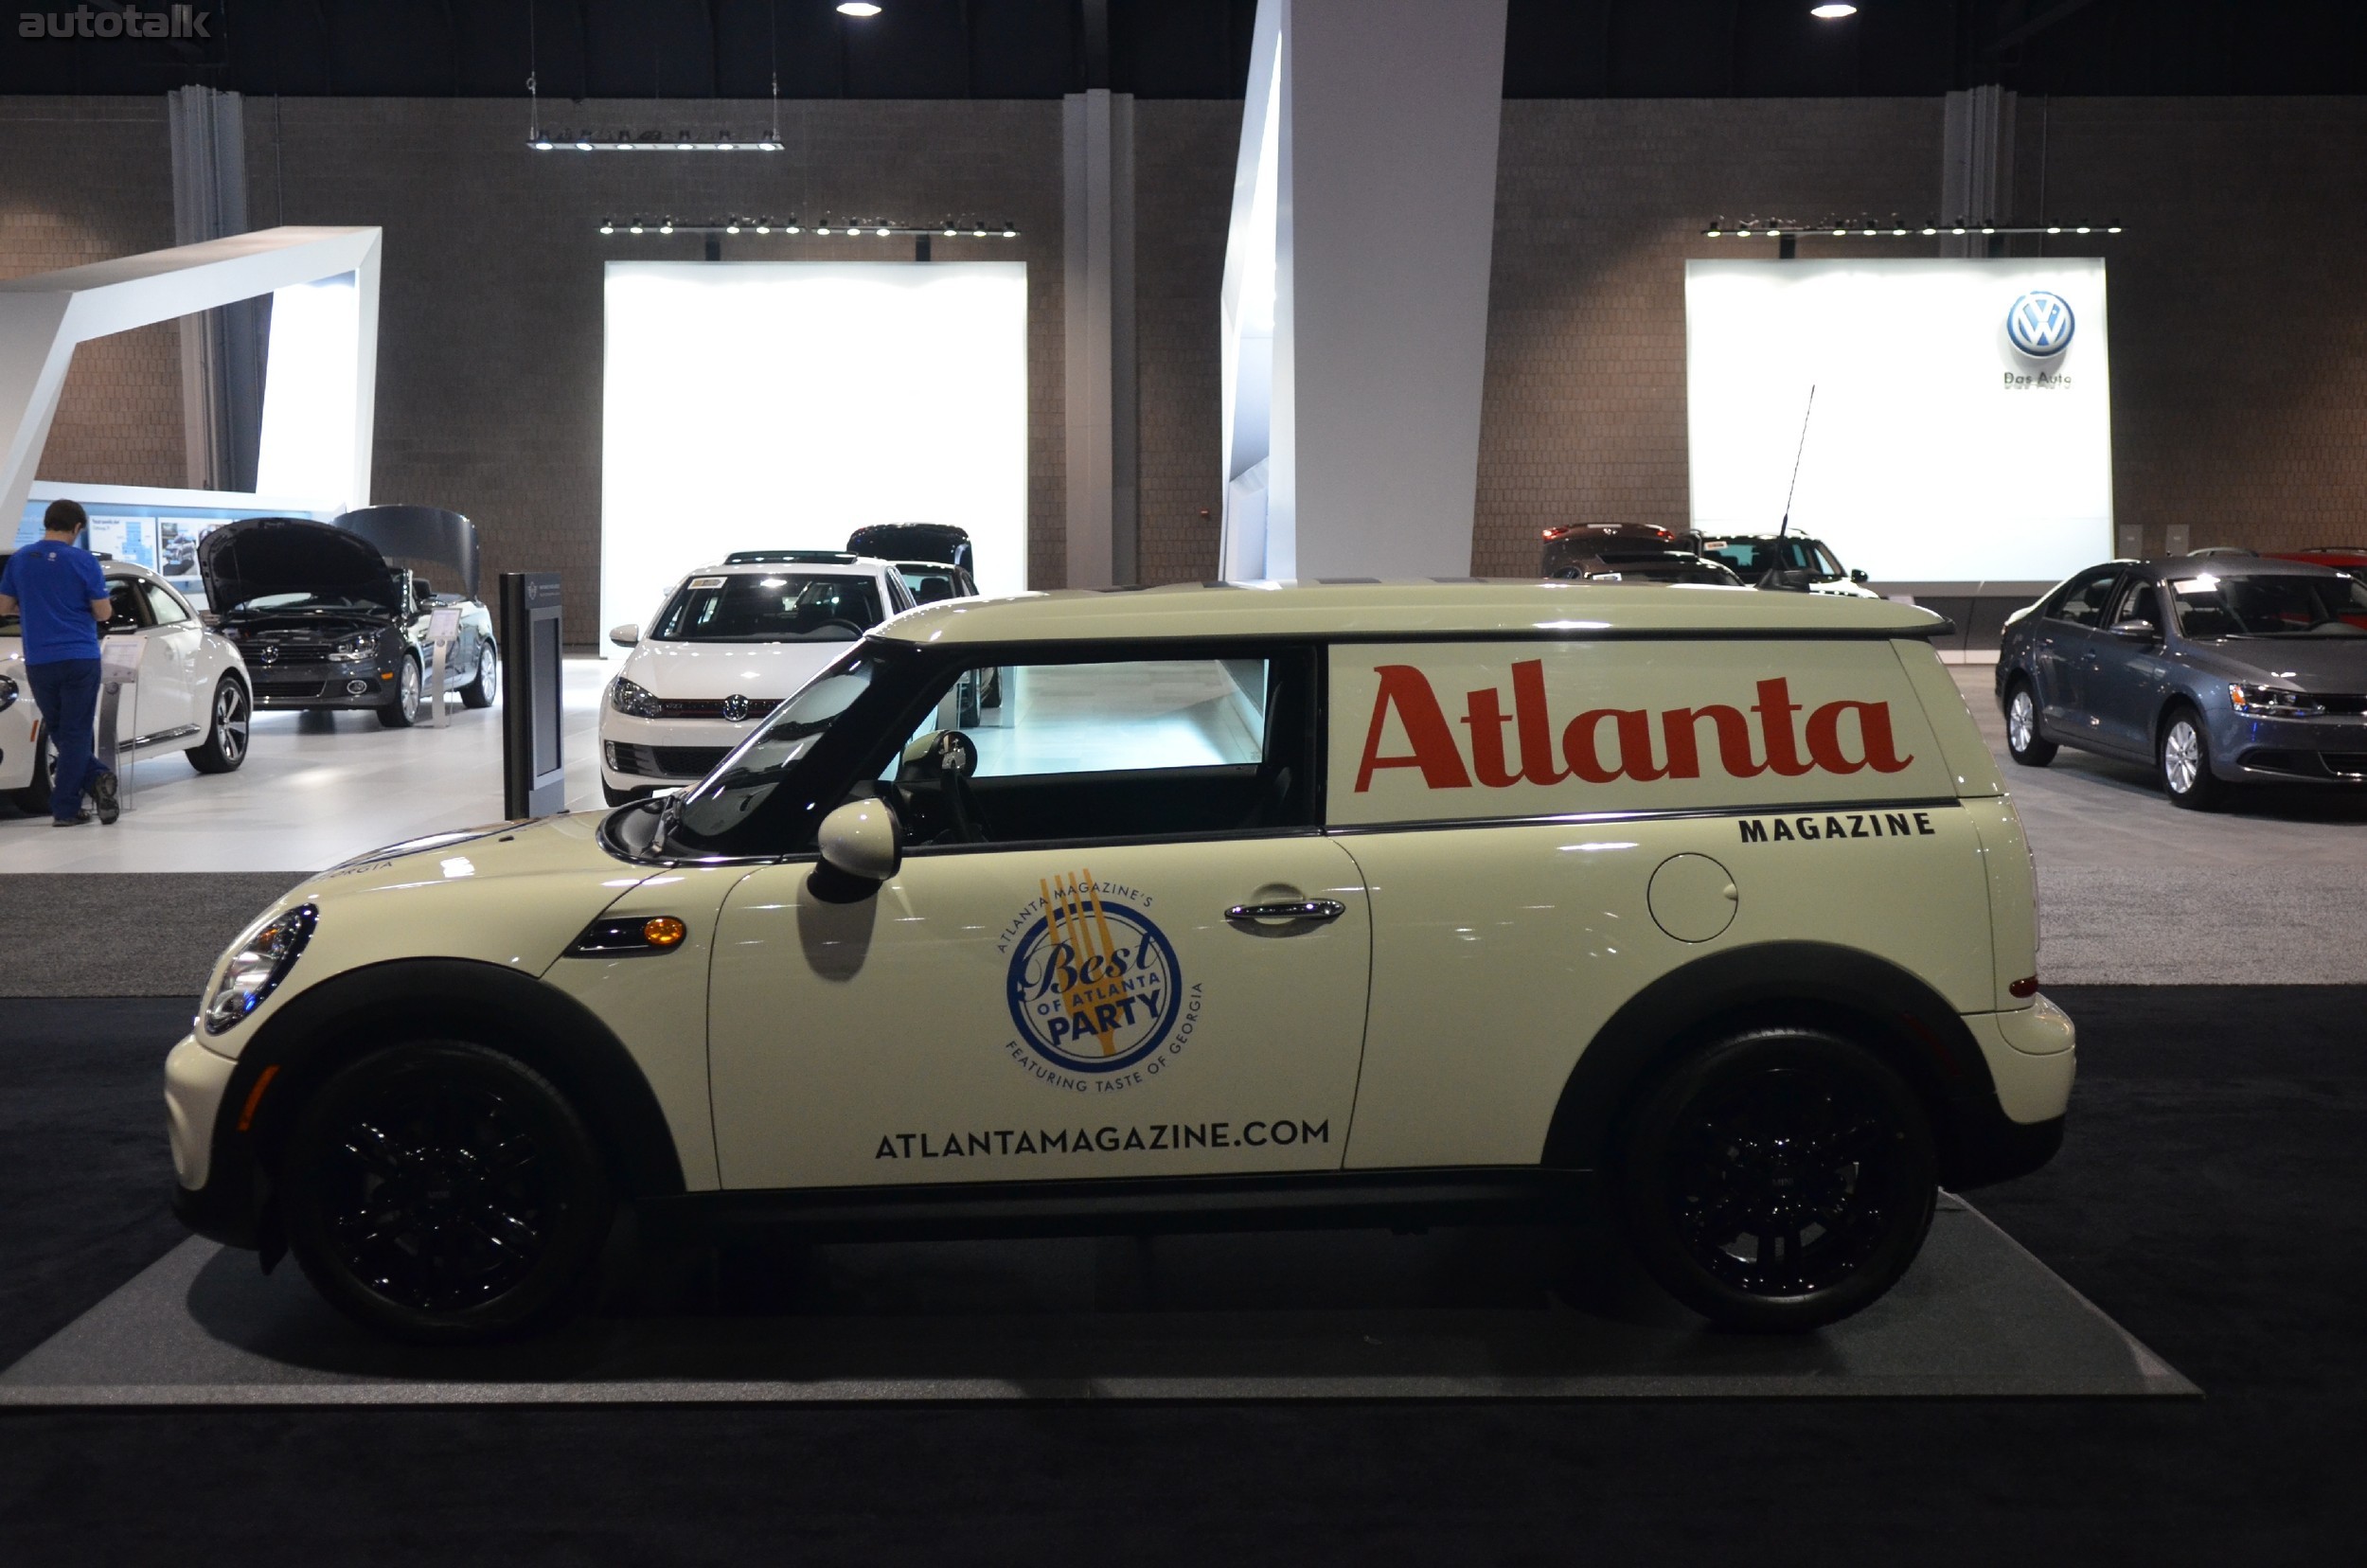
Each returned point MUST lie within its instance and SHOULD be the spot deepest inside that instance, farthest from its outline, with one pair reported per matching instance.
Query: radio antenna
(1798, 452)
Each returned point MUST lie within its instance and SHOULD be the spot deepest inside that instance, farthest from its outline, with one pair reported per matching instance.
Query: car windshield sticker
(1093, 982)
(1480, 731)
(706, 582)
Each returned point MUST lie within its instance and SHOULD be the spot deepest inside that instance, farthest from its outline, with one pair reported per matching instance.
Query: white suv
(1346, 904)
(729, 643)
(193, 694)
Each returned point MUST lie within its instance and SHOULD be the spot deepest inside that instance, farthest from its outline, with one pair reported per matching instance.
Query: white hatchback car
(729, 643)
(193, 694)
(1346, 904)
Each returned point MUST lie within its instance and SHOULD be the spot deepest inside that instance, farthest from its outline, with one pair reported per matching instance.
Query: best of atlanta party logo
(1093, 985)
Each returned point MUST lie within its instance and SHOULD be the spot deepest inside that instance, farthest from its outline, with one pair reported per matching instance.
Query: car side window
(161, 604)
(2083, 603)
(2137, 601)
(130, 612)
(1080, 752)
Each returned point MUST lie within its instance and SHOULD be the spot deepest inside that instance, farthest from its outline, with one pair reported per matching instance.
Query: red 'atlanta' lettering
(1603, 745)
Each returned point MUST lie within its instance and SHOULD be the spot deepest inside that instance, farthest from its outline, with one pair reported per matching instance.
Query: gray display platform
(1482, 1313)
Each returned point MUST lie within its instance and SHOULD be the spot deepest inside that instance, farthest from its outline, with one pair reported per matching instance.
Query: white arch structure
(44, 317)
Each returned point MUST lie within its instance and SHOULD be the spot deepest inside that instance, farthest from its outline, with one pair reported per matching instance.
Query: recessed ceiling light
(858, 7)
(1823, 13)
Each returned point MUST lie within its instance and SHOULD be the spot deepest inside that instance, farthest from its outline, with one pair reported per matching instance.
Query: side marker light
(2027, 985)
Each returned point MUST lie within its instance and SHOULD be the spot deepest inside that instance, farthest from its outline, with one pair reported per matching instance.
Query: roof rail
(787, 558)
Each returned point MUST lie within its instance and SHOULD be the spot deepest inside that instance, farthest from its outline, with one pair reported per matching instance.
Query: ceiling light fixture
(853, 229)
(1889, 227)
(859, 9)
(1823, 13)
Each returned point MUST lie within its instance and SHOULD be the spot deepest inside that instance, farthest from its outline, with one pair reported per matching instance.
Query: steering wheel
(839, 620)
(955, 758)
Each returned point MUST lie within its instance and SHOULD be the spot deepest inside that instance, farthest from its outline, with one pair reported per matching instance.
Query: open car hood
(439, 545)
(257, 556)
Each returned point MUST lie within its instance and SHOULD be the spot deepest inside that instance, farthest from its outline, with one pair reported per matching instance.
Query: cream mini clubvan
(1237, 904)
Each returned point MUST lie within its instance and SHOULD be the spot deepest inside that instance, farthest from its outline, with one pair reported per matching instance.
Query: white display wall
(1939, 450)
(782, 404)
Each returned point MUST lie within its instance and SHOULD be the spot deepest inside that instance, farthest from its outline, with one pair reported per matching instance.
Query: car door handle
(1312, 911)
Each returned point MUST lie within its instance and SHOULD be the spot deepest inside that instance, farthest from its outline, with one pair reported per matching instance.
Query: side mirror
(2134, 631)
(625, 635)
(1858, 575)
(860, 850)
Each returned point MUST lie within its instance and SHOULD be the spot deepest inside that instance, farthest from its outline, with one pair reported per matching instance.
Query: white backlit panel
(1939, 451)
(782, 404)
(309, 387)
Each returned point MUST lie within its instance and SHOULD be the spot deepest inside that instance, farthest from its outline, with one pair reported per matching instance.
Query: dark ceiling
(1189, 48)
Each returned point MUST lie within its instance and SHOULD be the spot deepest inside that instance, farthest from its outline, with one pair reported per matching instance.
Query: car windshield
(1754, 558)
(770, 607)
(2213, 605)
(744, 781)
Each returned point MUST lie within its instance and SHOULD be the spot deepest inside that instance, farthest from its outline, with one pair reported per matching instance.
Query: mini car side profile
(1374, 904)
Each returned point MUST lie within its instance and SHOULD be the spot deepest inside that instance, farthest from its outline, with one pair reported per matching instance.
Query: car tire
(481, 692)
(227, 732)
(2183, 761)
(443, 1193)
(1776, 1180)
(33, 799)
(2023, 742)
(401, 710)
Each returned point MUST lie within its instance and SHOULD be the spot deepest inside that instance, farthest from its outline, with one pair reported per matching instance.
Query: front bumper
(217, 1192)
(637, 752)
(2332, 750)
(323, 685)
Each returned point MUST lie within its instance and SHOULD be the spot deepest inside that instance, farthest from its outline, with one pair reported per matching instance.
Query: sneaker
(74, 821)
(103, 790)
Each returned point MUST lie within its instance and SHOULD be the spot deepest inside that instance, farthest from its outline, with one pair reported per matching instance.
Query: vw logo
(2041, 324)
(735, 707)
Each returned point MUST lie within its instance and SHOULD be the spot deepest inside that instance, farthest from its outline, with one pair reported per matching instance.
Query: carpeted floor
(2208, 1199)
(124, 933)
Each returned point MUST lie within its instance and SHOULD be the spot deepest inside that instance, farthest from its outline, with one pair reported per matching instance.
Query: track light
(1891, 227)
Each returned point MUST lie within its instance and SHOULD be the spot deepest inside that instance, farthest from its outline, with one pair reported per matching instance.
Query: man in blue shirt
(58, 590)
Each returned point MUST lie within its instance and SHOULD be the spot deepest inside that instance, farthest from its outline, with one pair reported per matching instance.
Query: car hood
(512, 894)
(694, 671)
(257, 556)
(2329, 665)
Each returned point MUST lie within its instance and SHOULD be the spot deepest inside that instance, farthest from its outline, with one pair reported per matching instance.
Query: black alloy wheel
(1777, 1180)
(444, 1193)
(403, 711)
(480, 692)
(2184, 756)
(227, 734)
(2023, 742)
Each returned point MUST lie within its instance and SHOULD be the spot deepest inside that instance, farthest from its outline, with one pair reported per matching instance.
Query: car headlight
(2263, 701)
(257, 965)
(8, 693)
(631, 697)
(354, 650)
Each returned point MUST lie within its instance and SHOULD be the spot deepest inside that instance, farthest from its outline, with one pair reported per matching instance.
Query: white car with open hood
(728, 644)
(1377, 904)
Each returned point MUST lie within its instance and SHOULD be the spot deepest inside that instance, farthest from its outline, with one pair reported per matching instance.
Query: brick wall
(87, 180)
(2238, 319)
(1184, 153)
(489, 327)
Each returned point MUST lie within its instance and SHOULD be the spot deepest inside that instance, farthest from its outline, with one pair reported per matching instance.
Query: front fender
(350, 1014)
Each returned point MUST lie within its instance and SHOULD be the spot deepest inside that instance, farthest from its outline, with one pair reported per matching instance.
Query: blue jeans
(66, 691)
